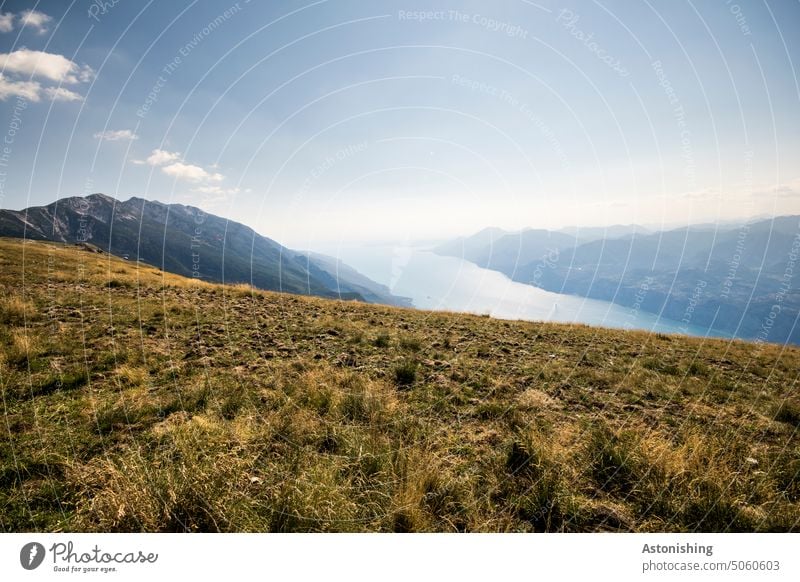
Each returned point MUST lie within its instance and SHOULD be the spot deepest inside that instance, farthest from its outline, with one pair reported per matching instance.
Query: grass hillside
(135, 400)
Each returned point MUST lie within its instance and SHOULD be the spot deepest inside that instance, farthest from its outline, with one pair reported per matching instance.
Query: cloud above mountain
(786, 190)
(116, 135)
(25, 70)
(217, 190)
(34, 91)
(62, 94)
(6, 22)
(173, 165)
(29, 90)
(33, 20)
(49, 66)
(191, 173)
(160, 157)
(34, 75)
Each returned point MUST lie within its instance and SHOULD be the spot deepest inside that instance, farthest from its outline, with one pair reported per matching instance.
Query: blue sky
(350, 120)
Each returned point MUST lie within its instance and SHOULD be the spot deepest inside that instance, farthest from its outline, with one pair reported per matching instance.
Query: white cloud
(29, 90)
(116, 135)
(787, 189)
(790, 189)
(6, 22)
(35, 20)
(24, 65)
(191, 173)
(161, 157)
(61, 94)
(33, 91)
(49, 66)
(172, 164)
(216, 190)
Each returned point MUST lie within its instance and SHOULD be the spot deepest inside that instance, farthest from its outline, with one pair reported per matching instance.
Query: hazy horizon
(315, 245)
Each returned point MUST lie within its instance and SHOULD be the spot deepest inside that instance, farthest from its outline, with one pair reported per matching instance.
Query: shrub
(661, 367)
(697, 369)
(364, 401)
(118, 284)
(615, 461)
(447, 496)
(138, 409)
(788, 412)
(711, 508)
(405, 374)
(411, 344)
(535, 488)
(492, 410)
(232, 404)
(128, 375)
(69, 380)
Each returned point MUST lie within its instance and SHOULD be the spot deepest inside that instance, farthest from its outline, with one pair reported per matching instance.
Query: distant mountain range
(740, 279)
(586, 234)
(188, 241)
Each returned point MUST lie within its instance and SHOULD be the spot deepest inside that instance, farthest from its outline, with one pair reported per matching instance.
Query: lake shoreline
(440, 283)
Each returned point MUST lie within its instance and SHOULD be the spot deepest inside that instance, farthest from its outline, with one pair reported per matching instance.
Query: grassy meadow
(136, 400)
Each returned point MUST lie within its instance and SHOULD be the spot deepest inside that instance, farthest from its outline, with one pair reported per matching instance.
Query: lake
(452, 284)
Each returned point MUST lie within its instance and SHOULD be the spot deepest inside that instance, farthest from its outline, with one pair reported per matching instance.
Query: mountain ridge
(188, 241)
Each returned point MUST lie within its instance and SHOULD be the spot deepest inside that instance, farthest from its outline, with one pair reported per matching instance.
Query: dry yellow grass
(15, 310)
(129, 375)
(23, 347)
(159, 403)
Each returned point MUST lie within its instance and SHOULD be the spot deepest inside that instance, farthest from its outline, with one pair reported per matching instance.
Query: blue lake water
(452, 284)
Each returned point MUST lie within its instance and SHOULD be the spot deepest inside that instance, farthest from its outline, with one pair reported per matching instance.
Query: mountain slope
(137, 400)
(187, 241)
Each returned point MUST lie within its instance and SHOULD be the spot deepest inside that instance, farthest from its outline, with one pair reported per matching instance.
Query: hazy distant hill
(729, 278)
(338, 273)
(472, 247)
(493, 248)
(188, 241)
(586, 234)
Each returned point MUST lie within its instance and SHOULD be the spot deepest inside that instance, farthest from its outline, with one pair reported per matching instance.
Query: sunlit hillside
(135, 400)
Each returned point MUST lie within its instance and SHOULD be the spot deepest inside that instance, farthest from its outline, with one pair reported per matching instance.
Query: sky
(352, 121)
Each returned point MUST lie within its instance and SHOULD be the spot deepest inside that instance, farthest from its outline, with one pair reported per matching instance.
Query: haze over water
(444, 283)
